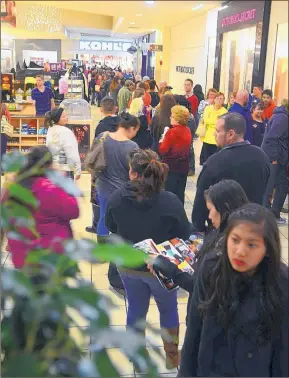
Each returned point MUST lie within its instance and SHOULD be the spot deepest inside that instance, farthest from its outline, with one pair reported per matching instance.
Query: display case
(75, 89)
(76, 109)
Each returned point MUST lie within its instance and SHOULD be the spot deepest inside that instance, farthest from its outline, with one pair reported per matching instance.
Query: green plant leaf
(13, 161)
(22, 194)
(104, 365)
(15, 282)
(22, 364)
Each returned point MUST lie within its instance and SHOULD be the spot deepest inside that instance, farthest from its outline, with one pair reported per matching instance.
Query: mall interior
(226, 45)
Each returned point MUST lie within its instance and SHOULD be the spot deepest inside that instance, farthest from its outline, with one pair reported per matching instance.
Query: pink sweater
(56, 210)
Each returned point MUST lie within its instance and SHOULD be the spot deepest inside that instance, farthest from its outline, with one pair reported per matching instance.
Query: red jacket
(268, 111)
(175, 148)
(194, 104)
(56, 210)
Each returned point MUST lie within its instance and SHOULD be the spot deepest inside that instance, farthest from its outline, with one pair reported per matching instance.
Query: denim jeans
(192, 158)
(102, 230)
(278, 180)
(139, 290)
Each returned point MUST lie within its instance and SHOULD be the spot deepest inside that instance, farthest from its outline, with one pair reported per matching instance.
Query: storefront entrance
(237, 60)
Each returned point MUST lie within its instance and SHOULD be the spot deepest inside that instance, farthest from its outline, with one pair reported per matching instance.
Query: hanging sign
(187, 70)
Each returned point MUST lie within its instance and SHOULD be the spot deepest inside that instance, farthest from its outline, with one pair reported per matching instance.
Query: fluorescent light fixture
(223, 7)
(198, 7)
(150, 2)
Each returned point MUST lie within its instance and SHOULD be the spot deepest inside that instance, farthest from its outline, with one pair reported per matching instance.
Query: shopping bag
(95, 161)
(201, 130)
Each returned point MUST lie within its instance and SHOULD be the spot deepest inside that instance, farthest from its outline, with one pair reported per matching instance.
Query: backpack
(95, 161)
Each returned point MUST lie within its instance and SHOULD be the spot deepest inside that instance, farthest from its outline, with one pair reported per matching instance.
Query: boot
(172, 349)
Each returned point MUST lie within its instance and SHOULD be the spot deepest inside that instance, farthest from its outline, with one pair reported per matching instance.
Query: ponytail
(53, 117)
(151, 171)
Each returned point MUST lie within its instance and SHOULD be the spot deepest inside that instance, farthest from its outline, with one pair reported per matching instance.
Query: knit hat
(146, 78)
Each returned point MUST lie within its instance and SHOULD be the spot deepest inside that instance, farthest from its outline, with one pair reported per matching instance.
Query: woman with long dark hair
(238, 319)
(150, 213)
(222, 199)
(161, 120)
(114, 88)
(53, 215)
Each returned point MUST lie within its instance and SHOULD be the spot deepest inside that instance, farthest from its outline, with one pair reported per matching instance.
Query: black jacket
(143, 137)
(161, 217)
(109, 123)
(275, 142)
(209, 352)
(242, 162)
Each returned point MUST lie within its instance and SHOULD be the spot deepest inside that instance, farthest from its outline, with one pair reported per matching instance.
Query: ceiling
(134, 18)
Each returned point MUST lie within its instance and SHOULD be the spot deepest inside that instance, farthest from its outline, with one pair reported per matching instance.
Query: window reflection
(237, 60)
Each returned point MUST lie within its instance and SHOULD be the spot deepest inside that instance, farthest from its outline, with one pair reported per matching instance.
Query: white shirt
(63, 146)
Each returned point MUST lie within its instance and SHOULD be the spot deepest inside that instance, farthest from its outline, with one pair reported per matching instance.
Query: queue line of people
(241, 269)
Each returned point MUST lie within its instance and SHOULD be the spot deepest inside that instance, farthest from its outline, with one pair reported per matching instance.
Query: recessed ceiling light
(150, 2)
(198, 7)
(132, 23)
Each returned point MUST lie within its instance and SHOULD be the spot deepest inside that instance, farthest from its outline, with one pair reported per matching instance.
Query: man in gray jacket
(124, 95)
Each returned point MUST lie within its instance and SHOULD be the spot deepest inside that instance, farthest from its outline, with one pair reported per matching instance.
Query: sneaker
(284, 210)
(191, 173)
(90, 229)
(281, 220)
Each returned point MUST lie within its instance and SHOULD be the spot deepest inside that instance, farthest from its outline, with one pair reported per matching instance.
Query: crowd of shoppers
(237, 322)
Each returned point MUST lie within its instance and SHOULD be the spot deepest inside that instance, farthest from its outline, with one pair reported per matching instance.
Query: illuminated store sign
(104, 46)
(239, 17)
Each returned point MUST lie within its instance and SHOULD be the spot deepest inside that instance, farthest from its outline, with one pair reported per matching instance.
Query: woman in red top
(147, 100)
(174, 149)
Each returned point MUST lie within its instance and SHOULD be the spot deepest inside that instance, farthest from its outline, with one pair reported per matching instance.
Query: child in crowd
(55, 211)
(258, 125)
(238, 319)
(143, 210)
(175, 149)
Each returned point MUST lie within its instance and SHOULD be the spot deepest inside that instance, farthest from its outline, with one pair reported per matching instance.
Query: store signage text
(187, 70)
(239, 17)
(103, 46)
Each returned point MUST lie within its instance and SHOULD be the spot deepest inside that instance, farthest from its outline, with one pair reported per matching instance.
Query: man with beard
(241, 106)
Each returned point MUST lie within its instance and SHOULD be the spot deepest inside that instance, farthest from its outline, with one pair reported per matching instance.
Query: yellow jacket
(211, 116)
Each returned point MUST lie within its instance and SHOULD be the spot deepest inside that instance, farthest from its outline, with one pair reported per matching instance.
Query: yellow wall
(188, 49)
(279, 15)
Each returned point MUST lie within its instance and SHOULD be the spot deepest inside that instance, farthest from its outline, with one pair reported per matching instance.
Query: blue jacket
(245, 112)
(275, 142)
(208, 351)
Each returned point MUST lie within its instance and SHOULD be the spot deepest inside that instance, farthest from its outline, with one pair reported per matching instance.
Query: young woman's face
(246, 247)
(132, 131)
(257, 112)
(232, 100)
(214, 215)
(211, 97)
(63, 119)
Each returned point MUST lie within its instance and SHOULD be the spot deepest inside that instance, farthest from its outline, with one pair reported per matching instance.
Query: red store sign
(239, 17)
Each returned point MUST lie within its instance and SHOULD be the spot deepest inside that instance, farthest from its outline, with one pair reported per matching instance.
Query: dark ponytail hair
(53, 117)
(152, 172)
(128, 121)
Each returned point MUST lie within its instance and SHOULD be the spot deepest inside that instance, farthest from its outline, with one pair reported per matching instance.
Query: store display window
(280, 73)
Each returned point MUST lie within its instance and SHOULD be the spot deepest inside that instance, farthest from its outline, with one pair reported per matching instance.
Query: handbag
(202, 129)
(95, 161)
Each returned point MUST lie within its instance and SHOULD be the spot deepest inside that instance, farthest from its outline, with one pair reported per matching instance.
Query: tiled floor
(98, 275)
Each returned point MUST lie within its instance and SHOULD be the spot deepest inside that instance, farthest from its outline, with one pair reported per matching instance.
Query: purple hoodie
(275, 142)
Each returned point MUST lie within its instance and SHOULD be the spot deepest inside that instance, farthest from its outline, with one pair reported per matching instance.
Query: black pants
(209, 150)
(95, 216)
(176, 183)
(202, 155)
(278, 180)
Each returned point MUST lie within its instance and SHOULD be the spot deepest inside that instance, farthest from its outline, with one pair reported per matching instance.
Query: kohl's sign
(104, 46)
(239, 17)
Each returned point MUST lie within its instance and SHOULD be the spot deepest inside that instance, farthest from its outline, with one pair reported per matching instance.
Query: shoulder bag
(95, 161)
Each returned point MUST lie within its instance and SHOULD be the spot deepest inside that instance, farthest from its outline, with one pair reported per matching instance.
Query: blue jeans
(139, 290)
(102, 230)
(192, 157)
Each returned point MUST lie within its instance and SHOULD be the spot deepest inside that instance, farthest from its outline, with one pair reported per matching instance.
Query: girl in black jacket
(238, 319)
(143, 210)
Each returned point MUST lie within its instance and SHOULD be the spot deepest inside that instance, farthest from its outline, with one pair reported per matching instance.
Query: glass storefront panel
(280, 75)
(237, 60)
